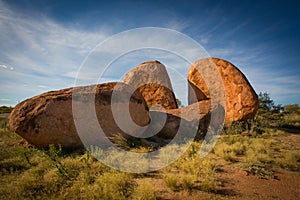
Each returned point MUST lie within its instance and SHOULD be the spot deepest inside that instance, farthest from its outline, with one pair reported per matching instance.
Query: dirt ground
(237, 184)
(234, 183)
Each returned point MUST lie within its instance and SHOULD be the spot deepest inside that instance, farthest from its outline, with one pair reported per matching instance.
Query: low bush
(290, 160)
(172, 182)
(144, 191)
(259, 170)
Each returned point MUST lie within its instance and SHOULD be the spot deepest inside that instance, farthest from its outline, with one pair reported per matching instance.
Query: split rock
(153, 82)
(241, 99)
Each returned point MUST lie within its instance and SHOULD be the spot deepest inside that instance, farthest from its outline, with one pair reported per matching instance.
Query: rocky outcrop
(186, 120)
(189, 118)
(90, 115)
(153, 82)
(48, 118)
(241, 100)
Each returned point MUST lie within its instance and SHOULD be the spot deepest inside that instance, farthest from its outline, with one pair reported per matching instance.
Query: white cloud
(39, 53)
(46, 55)
(43, 86)
(3, 66)
(4, 99)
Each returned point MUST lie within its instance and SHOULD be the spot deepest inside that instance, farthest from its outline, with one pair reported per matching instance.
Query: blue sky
(44, 43)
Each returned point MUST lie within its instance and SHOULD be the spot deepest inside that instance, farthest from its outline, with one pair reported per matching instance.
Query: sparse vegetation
(259, 170)
(179, 103)
(5, 109)
(254, 146)
(172, 182)
(290, 160)
(144, 191)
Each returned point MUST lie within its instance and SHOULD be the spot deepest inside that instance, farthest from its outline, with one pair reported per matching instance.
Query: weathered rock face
(241, 100)
(153, 82)
(48, 118)
(188, 119)
(74, 117)
(196, 115)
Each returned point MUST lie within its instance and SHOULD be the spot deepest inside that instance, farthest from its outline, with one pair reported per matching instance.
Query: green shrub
(292, 119)
(114, 186)
(172, 182)
(193, 172)
(235, 128)
(290, 160)
(268, 114)
(188, 182)
(5, 109)
(259, 170)
(239, 148)
(292, 109)
(55, 155)
(225, 151)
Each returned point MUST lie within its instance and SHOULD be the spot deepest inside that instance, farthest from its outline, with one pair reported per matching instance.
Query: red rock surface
(241, 99)
(153, 82)
(48, 119)
(197, 116)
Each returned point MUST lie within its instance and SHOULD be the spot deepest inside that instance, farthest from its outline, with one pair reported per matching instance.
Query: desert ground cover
(258, 159)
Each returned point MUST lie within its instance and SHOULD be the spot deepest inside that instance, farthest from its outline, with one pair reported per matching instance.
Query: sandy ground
(236, 184)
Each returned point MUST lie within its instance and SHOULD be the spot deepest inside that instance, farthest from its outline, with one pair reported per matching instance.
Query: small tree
(179, 104)
(266, 104)
(268, 113)
(5, 109)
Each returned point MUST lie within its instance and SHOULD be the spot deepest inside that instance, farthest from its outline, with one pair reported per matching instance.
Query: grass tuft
(144, 191)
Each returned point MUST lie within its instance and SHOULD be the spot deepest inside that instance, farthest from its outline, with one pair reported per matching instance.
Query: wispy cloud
(43, 86)
(264, 69)
(4, 99)
(46, 55)
(39, 53)
(3, 66)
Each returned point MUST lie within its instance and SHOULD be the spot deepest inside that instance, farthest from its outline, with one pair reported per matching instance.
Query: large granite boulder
(74, 117)
(48, 118)
(153, 82)
(241, 99)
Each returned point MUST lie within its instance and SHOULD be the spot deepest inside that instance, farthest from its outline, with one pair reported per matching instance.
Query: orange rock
(187, 120)
(241, 99)
(153, 82)
(194, 116)
(48, 118)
